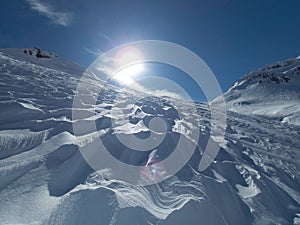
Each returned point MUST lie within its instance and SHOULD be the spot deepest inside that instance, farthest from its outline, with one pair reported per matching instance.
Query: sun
(126, 75)
(130, 60)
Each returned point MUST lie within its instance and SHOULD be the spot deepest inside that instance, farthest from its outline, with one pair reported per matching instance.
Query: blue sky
(232, 36)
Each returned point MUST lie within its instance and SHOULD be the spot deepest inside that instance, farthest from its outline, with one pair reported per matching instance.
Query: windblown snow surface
(44, 179)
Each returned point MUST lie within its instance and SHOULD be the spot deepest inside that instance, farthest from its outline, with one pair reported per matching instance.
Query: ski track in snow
(44, 179)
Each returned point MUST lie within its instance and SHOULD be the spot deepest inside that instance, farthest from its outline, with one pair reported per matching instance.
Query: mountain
(44, 178)
(272, 91)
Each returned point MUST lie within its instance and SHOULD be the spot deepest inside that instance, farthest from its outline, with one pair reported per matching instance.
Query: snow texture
(44, 179)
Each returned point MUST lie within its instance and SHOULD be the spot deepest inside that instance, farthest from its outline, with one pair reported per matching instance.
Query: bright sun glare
(126, 75)
(125, 57)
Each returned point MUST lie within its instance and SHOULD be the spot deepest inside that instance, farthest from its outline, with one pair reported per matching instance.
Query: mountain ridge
(43, 58)
(271, 91)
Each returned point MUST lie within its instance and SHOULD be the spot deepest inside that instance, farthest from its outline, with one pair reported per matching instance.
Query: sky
(233, 37)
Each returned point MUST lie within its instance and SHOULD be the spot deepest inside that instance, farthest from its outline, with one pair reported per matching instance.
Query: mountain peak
(272, 91)
(282, 71)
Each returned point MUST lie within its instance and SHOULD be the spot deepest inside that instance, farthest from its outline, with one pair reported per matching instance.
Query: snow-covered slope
(272, 91)
(43, 58)
(45, 180)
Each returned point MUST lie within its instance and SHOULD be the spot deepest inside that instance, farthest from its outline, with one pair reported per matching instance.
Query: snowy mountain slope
(43, 58)
(45, 180)
(272, 91)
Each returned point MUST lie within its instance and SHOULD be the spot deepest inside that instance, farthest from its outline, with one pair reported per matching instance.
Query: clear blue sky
(232, 36)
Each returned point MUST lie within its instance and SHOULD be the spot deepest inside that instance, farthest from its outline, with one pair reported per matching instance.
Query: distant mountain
(44, 179)
(272, 91)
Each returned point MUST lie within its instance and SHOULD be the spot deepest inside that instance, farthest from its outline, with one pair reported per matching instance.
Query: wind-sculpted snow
(160, 200)
(44, 179)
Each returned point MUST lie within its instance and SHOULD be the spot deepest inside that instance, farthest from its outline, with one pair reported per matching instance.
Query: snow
(272, 91)
(45, 180)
